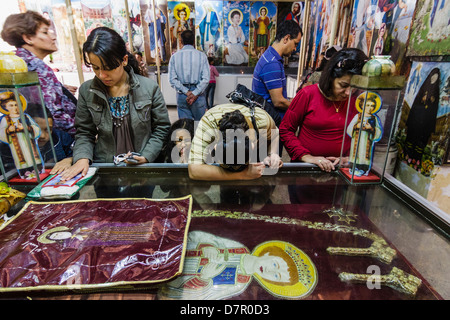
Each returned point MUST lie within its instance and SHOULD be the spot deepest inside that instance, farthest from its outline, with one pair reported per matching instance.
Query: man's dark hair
(238, 146)
(187, 37)
(288, 27)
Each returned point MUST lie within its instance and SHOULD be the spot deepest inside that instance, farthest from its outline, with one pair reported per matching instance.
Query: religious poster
(430, 31)
(292, 11)
(208, 26)
(343, 24)
(316, 35)
(181, 17)
(424, 128)
(365, 129)
(391, 30)
(263, 21)
(120, 24)
(79, 24)
(155, 30)
(236, 32)
(365, 15)
(96, 13)
(93, 244)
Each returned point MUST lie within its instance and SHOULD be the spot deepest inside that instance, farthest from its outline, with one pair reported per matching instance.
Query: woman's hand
(273, 161)
(324, 163)
(72, 89)
(139, 159)
(253, 171)
(81, 166)
(62, 165)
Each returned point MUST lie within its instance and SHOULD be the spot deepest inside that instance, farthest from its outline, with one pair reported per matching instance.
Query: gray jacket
(94, 139)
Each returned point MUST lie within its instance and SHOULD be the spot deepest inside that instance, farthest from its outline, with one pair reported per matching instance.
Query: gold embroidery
(342, 215)
(397, 279)
(379, 250)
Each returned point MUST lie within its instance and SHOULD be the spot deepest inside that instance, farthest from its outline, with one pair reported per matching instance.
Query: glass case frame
(418, 231)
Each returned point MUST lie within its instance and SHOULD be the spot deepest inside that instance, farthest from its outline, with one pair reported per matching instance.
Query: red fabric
(111, 241)
(321, 127)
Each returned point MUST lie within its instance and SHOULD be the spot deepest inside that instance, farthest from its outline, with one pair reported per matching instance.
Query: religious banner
(391, 30)
(181, 18)
(208, 26)
(155, 26)
(363, 21)
(263, 21)
(430, 31)
(93, 244)
(236, 32)
(423, 132)
(292, 11)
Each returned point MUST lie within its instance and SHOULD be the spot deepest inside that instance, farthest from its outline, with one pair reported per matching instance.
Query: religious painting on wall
(96, 13)
(79, 24)
(430, 31)
(343, 24)
(236, 32)
(365, 15)
(181, 17)
(391, 30)
(158, 26)
(292, 11)
(424, 129)
(263, 20)
(208, 20)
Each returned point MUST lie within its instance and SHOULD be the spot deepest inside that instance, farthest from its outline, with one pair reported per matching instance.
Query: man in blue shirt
(189, 76)
(269, 79)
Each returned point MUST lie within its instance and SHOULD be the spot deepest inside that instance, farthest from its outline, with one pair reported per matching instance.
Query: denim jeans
(194, 111)
(210, 90)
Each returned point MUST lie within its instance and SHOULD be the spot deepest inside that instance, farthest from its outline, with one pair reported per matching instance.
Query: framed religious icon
(20, 133)
(365, 130)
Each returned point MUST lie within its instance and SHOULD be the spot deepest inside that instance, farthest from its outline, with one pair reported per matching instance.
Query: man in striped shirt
(189, 76)
(225, 122)
(269, 79)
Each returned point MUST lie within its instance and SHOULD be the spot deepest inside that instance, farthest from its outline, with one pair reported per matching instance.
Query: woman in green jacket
(118, 111)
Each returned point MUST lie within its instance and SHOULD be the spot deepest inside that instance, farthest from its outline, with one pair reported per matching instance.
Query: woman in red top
(319, 112)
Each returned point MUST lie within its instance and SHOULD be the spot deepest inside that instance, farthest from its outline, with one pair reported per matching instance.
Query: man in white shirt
(189, 75)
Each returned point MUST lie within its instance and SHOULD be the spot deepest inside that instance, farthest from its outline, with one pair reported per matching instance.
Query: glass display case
(328, 238)
(369, 132)
(21, 106)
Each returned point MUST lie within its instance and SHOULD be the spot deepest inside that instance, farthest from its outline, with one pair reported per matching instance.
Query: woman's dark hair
(169, 144)
(343, 62)
(233, 154)
(17, 25)
(233, 120)
(109, 46)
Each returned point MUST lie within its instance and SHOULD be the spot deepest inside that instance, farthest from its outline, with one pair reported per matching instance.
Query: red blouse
(321, 128)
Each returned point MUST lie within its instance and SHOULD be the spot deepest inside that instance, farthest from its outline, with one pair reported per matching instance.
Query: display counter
(346, 242)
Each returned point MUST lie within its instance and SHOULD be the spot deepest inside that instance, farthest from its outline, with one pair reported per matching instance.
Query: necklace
(337, 107)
